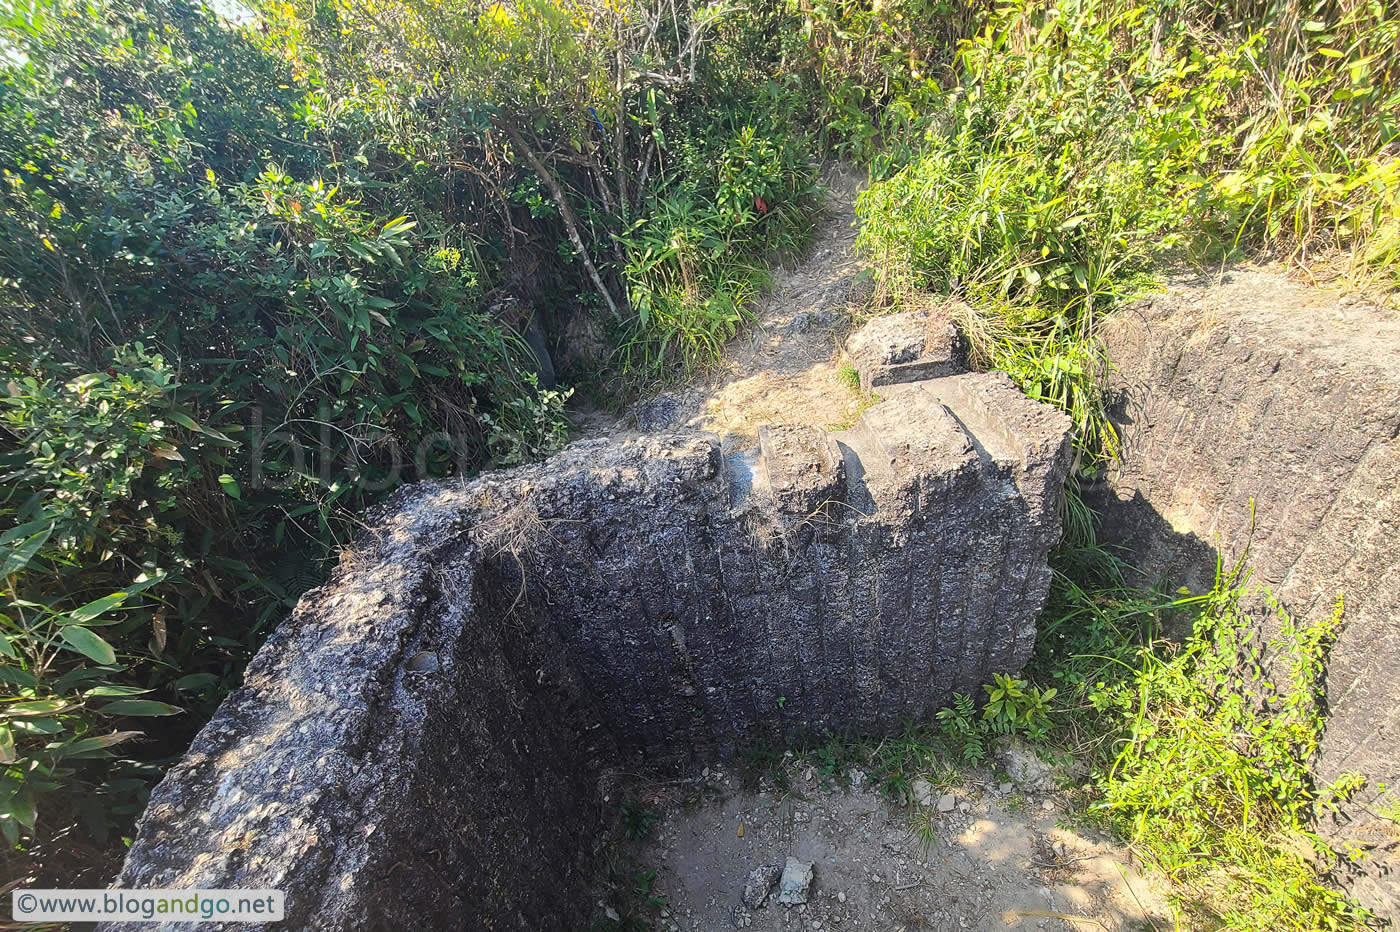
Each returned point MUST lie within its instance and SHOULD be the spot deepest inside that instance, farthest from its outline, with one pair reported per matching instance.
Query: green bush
(252, 275)
(1083, 145)
(1084, 139)
(874, 71)
(696, 260)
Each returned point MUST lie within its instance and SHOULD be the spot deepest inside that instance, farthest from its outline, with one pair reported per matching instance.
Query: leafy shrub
(1200, 747)
(697, 259)
(251, 273)
(1084, 143)
(1013, 707)
(875, 70)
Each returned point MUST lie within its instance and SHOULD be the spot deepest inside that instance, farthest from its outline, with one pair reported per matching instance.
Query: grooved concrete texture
(428, 735)
(1260, 390)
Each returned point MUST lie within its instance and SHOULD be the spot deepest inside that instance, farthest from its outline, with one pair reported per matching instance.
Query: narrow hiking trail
(988, 848)
(784, 368)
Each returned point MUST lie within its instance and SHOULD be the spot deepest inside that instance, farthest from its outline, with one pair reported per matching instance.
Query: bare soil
(994, 860)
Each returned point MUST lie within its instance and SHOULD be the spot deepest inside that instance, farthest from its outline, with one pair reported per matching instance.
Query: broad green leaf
(184, 420)
(196, 681)
(140, 707)
(98, 692)
(13, 676)
(21, 809)
(18, 558)
(40, 707)
(23, 530)
(96, 607)
(37, 726)
(230, 485)
(92, 744)
(88, 644)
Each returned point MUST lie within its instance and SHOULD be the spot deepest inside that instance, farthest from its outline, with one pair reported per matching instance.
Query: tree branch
(565, 212)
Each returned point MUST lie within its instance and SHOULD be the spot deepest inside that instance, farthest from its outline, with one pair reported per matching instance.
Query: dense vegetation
(258, 272)
(261, 264)
(1085, 144)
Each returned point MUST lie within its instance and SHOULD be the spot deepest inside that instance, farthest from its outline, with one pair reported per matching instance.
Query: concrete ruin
(430, 734)
(1258, 414)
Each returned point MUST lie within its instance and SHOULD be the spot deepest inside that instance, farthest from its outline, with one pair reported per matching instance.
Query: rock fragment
(759, 884)
(796, 879)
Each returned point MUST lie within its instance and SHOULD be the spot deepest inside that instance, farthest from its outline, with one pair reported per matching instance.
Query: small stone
(1005, 788)
(759, 884)
(796, 878)
(1048, 805)
(665, 411)
(425, 661)
(1023, 766)
(923, 792)
(947, 802)
(841, 896)
(964, 807)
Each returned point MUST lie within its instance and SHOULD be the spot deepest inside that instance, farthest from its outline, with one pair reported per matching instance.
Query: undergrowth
(1200, 748)
(1195, 749)
(1077, 147)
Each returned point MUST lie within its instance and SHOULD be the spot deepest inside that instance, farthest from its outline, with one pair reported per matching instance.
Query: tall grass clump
(1085, 139)
(1083, 143)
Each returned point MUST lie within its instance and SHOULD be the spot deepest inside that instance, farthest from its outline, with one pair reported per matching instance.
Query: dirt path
(785, 368)
(980, 852)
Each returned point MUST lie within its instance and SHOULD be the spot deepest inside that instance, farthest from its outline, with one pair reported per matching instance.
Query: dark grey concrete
(906, 347)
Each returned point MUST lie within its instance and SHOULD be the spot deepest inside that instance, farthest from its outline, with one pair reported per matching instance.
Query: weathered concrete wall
(427, 734)
(1259, 390)
(402, 747)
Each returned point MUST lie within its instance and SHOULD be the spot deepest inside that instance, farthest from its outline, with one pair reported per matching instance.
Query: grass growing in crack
(849, 375)
(1200, 757)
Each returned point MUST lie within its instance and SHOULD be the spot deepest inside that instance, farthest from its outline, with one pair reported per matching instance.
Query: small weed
(631, 903)
(925, 829)
(1388, 809)
(639, 820)
(849, 375)
(763, 761)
